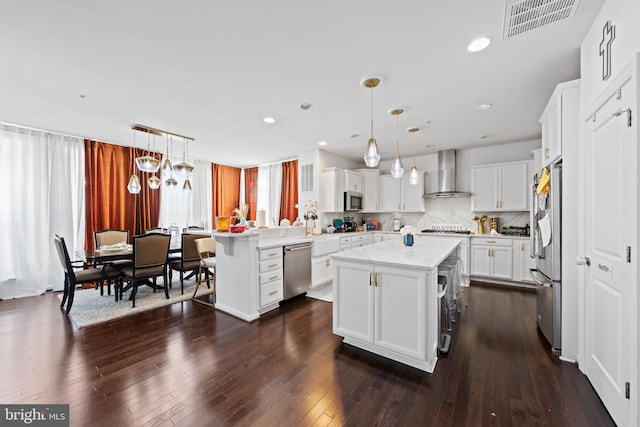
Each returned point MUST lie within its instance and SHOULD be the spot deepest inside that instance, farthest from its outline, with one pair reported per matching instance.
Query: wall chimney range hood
(446, 177)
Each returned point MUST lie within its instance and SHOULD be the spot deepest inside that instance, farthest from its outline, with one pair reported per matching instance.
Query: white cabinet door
(389, 194)
(332, 190)
(484, 187)
(492, 258)
(513, 194)
(480, 261)
(353, 181)
(522, 261)
(397, 195)
(400, 310)
(353, 302)
(371, 193)
(502, 263)
(321, 270)
(500, 187)
(412, 200)
(552, 140)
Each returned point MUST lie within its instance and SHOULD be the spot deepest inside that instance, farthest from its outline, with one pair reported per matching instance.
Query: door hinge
(629, 254)
(628, 111)
(627, 390)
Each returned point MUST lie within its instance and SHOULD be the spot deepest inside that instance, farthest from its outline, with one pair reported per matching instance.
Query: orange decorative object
(222, 223)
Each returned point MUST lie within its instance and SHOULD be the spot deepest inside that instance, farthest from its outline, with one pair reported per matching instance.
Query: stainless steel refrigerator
(546, 248)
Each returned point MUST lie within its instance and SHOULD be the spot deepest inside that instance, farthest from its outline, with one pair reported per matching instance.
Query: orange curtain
(226, 190)
(251, 191)
(289, 197)
(108, 204)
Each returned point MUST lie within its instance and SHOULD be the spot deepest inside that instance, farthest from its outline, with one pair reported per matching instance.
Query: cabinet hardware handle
(328, 262)
(272, 265)
(491, 241)
(273, 293)
(376, 279)
(273, 277)
(522, 247)
(273, 254)
(370, 278)
(496, 204)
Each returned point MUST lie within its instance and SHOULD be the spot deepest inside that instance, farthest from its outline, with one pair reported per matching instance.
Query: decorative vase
(408, 239)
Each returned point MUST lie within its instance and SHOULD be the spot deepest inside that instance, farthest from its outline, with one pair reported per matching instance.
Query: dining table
(106, 255)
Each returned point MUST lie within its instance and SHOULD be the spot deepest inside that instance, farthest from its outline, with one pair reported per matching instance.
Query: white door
(353, 302)
(611, 227)
(401, 310)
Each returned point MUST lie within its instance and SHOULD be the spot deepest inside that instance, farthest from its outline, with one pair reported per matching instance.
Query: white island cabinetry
(386, 299)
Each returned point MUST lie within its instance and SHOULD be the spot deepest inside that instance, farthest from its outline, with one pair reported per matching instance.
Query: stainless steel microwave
(352, 201)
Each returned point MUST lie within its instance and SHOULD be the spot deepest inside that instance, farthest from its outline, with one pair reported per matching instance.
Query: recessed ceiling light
(322, 143)
(355, 135)
(269, 120)
(486, 136)
(479, 44)
(305, 106)
(484, 106)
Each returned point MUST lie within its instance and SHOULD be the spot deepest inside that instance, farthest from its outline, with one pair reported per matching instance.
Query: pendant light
(396, 169)
(154, 182)
(372, 155)
(134, 183)
(148, 163)
(186, 188)
(184, 169)
(166, 165)
(414, 176)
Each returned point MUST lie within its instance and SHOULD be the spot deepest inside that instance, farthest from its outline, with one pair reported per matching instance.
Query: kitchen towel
(261, 219)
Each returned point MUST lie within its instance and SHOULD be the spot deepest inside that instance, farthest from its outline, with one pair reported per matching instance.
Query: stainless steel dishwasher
(297, 269)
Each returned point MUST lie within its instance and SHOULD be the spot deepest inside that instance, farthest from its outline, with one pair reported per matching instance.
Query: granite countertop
(423, 255)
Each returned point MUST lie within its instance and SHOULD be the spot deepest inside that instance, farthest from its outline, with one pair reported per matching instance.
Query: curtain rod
(42, 130)
(272, 163)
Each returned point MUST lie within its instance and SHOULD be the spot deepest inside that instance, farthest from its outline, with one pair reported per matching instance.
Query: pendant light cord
(397, 138)
(371, 112)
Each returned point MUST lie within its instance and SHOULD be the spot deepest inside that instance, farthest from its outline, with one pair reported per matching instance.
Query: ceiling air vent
(522, 16)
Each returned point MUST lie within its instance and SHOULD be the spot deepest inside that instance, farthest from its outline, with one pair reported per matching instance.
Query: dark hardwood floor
(186, 365)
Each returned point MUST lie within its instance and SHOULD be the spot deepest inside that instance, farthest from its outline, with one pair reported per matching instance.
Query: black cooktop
(428, 230)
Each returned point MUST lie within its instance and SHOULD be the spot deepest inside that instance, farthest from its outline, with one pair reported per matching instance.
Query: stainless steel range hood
(446, 177)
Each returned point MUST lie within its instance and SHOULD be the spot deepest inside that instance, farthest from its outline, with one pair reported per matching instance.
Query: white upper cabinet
(563, 104)
(332, 190)
(371, 193)
(500, 187)
(397, 195)
(353, 181)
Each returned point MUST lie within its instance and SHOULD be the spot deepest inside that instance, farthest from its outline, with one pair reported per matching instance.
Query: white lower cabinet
(270, 277)
(492, 258)
(522, 261)
(321, 270)
(383, 307)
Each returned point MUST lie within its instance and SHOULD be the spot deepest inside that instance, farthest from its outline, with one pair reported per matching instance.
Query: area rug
(324, 293)
(89, 308)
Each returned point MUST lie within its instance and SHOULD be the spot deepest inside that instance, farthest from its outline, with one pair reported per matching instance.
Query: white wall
(625, 16)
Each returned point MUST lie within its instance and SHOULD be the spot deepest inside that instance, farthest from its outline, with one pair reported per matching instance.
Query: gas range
(432, 231)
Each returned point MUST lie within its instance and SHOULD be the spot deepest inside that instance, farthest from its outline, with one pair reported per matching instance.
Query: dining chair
(149, 262)
(189, 260)
(72, 276)
(109, 237)
(206, 248)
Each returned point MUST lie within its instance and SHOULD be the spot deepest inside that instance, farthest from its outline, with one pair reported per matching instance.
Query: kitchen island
(386, 299)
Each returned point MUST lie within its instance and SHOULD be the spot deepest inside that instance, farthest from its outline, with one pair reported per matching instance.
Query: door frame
(631, 70)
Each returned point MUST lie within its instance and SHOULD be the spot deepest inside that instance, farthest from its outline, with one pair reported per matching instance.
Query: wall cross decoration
(608, 35)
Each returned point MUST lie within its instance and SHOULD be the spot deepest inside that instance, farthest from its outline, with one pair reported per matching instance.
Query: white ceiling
(214, 70)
